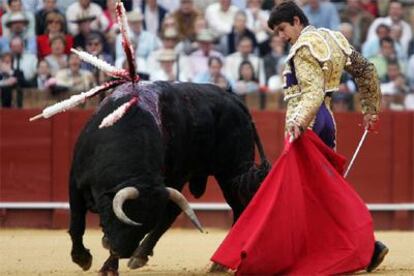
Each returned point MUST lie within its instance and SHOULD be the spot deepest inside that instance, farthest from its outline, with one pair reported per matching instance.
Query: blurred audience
(247, 83)
(49, 6)
(16, 7)
(214, 74)
(82, 9)
(153, 16)
(198, 60)
(57, 59)
(55, 25)
(74, 79)
(229, 42)
(145, 42)
(322, 14)
(17, 26)
(257, 22)
(42, 80)
(359, 18)
(395, 17)
(185, 17)
(220, 17)
(193, 40)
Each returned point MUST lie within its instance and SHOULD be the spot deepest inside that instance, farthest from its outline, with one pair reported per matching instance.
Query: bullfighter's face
(289, 32)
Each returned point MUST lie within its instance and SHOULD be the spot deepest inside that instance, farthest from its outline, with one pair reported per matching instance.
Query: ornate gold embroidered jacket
(314, 67)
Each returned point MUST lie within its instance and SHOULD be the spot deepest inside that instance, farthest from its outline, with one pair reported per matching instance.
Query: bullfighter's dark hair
(285, 12)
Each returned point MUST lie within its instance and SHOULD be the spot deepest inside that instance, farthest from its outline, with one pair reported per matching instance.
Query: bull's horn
(120, 197)
(180, 200)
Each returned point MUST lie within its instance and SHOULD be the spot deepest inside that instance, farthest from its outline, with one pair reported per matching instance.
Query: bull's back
(210, 127)
(130, 148)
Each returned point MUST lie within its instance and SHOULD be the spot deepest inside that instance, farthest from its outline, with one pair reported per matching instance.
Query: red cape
(304, 220)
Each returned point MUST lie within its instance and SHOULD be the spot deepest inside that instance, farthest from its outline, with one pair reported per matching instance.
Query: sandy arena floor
(179, 252)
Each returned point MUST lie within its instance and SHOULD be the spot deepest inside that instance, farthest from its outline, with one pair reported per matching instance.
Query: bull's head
(134, 213)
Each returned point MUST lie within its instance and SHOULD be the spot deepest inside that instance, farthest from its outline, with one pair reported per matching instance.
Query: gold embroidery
(315, 42)
(366, 78)
(302, 109)
(319, 58)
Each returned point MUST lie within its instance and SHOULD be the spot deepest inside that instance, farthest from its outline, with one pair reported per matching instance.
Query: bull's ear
(163, 193)
(112, 191)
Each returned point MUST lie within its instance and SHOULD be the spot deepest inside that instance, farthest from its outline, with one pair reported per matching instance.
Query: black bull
(177, 133)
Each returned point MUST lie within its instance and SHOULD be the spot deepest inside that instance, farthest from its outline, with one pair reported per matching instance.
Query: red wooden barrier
(35, 160)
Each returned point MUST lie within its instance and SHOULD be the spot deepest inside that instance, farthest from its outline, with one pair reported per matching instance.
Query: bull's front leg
(80, 254)
(140, 256)
(110, 267)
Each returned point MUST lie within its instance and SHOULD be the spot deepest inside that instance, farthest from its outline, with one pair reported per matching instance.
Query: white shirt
(140, 62)
(409, 102)
(72, 13)
(410, 72)
(161, 75)
(258, 24)
(151, 20)
(232, 64)
(198, 62)
(219, 21)
(27, 65)
(406, 31)
(154, 65)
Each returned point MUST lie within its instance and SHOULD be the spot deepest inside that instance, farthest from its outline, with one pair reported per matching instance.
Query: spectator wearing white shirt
(220, 17)
(169, 41)
(17, 26)
(244, 52)
(167, 72)
(214, 74)
(16, 7)
(395, 17)
(198, 60)
(322, 14)
(410, 74)
(22, 60)
(228, 43)
(257, 22)
(153, 16)
(83, 8)
(143, 41)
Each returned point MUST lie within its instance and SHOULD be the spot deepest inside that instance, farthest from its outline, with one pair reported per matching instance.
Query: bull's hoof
(216, 268)
(82, 258)
(137, 262)
(110, 267)
(105, 243)
(108, 273)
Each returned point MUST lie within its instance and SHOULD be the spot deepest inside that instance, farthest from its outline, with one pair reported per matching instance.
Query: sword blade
(356, 152)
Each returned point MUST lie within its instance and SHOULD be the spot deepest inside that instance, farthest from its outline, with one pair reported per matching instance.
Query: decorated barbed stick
(74, 100)
(101, 64)
(123, 75)
(126, 43)
(118, 113)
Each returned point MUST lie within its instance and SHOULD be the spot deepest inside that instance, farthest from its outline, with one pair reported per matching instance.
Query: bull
(131, 173)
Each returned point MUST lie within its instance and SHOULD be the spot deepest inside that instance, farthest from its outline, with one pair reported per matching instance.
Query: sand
(179, 252)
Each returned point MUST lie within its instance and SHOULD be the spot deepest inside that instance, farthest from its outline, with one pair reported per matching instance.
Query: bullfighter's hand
(371, 122)
(293, 131)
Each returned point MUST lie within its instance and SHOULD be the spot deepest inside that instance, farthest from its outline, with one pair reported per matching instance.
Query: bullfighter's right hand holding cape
(306, 219)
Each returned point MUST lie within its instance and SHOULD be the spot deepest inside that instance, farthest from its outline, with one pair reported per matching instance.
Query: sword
(356, 152)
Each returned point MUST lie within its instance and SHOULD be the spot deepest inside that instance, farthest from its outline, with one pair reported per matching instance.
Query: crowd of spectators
(223, 42)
